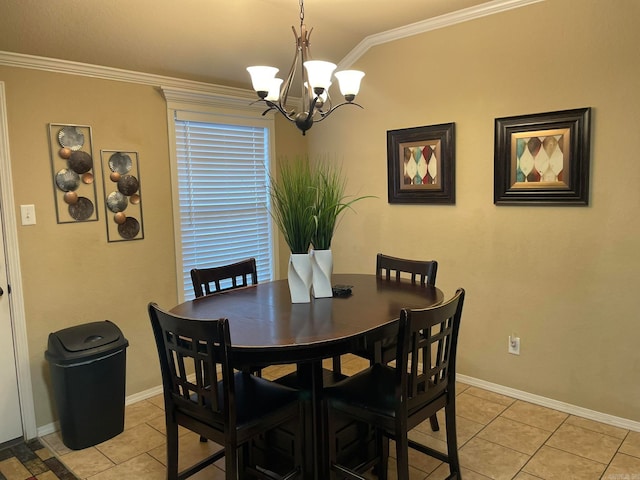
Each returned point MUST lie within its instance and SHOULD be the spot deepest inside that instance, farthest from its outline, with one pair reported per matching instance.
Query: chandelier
(315, 83)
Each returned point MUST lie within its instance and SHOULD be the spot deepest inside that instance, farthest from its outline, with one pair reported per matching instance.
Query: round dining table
(267, 328)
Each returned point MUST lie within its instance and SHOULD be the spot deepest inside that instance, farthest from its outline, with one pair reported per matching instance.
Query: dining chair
(423, 271)
(394, 269)
(203, 393)
(210, 280)
(394, 400)
(207, 281)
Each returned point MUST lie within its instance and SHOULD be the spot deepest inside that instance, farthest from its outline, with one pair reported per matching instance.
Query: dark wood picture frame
(421, 164)
(543, 158)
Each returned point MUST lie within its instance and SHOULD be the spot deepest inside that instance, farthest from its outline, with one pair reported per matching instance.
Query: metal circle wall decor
(87, 178)
(82, 209)
(120, 218)
(67, 180)
(120, 175)
(70, 198)
(72, 168)
(117, 202)
(128, 184)
(80, 162)
(120, 162)
(129, 229)
(71, 137)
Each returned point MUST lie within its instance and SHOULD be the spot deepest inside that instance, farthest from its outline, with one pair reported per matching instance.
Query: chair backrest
(426, 354)
(207, 280)
(423, 270)
(195, 348)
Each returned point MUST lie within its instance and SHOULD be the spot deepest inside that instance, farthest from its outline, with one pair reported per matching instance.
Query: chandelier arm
(286, 86)
(277, 106)
(305, 54)
(324, 115)
(328, 103)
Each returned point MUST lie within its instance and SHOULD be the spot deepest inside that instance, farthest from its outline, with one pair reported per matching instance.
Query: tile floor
(500, 438)
(31, 461)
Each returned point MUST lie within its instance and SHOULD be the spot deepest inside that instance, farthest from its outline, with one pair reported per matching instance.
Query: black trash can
(88, 365)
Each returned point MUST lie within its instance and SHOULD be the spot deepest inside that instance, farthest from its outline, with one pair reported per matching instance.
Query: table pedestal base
(355, 441)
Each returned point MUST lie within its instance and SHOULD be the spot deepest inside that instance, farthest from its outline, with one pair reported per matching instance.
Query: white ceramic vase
(322, 267)
(299, 277)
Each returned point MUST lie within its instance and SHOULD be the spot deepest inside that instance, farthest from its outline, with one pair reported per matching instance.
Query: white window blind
(223, 174)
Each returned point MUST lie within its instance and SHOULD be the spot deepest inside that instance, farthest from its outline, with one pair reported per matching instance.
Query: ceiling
(203, 40)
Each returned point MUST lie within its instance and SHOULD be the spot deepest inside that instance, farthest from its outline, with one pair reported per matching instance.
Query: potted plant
(293, 193)
(330, 202)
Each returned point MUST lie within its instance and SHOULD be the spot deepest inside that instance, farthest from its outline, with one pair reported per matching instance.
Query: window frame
(212, 108)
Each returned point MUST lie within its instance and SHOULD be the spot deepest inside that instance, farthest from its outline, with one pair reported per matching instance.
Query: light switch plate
(28, 214)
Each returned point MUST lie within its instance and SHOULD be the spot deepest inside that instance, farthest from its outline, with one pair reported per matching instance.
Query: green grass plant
(330, 202)
(292, 194)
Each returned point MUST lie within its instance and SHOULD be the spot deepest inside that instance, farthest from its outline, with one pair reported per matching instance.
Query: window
(222, 173)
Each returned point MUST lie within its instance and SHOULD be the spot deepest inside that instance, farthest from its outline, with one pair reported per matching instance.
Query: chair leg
(452, 440)
(433, 419)
(383, 448)
(331, 434)
(230, 461)
(298, 448)
(402, 455)
(172, 450)
(337, 366)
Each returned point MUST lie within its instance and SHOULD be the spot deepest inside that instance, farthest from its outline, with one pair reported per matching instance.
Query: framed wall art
(421, 164)
(543, 158)
(123, 197)
(72, 168)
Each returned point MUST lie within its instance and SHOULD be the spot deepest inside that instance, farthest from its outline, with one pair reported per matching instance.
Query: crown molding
(173, 89)
(185, 97)
(447, 20)
(109, 73)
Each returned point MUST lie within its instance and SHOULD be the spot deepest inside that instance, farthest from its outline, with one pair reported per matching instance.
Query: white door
(11, 425)
(10, 413)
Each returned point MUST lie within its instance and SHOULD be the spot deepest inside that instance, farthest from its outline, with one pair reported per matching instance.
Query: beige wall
(561, 278)
(71, 275)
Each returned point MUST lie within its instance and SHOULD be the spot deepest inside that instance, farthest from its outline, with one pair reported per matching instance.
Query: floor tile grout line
(582, 456)
(551, 433)
(566, 421)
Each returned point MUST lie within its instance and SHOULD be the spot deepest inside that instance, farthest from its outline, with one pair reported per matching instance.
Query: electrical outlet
(514, 345)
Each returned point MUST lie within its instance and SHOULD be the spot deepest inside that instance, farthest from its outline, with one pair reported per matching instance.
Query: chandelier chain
(301, 3)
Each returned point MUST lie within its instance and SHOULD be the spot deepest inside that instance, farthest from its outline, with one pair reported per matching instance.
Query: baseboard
(550, 403)
(474, 382)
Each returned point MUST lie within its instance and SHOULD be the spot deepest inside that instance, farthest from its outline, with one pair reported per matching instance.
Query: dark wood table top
(263, 321)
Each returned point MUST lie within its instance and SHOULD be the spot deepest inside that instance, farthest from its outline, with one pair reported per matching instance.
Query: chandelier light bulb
(262, 78)
(274, 90)
(349, 81)
(319, 73)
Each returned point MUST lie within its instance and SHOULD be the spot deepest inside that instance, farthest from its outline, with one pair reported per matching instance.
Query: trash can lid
(84, 342)
(88, 335)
